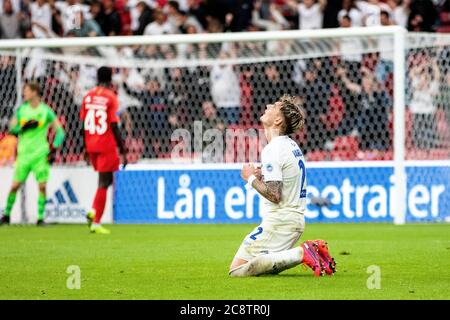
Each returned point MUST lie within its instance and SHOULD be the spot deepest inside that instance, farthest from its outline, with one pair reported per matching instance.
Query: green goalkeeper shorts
(39, 166)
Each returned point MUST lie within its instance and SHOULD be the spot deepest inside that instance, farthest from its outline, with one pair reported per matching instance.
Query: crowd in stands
(348, 96)
(154, 17)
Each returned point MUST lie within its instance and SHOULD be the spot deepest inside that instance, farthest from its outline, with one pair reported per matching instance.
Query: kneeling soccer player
(282, 182)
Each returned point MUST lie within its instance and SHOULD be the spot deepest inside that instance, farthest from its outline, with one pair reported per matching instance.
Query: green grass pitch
(191, 262)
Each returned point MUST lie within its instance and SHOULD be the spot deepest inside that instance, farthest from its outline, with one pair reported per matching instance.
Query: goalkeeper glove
(51, 156)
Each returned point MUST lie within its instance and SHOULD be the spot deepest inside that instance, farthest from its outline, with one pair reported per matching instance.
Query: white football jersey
(282, 160)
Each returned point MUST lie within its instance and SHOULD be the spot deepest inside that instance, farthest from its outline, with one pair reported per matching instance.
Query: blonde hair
(294, 114)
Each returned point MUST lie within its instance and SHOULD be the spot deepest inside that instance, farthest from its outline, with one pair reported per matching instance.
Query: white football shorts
(272, 235)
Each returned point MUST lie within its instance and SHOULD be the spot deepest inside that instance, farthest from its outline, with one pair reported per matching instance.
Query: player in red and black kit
(102, 139)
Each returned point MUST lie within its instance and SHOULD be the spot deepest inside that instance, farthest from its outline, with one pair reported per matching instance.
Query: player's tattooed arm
(271, 190)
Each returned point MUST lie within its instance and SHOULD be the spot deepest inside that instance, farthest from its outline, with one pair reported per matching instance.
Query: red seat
(74, 157)
(135, 149)
(318, 156)
(428, 154)
(374, 155)
(388, 155)
(440, 154)
(345, 148)
(443, 29)
(445, 18)
(443, 128)
(186, 157)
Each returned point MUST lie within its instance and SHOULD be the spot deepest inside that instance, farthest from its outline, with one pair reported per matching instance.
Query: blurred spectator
(196, 16)
(351, 51)
(61, 96)
(214, 25)
(43, 31)
(10, 22)
(160, 98)
(199, 10)
(8, 89)
(57, 23)
(177, 93)
(98, 13)
(315, 95)
(138, 20)
(212, 128)
(70, 13)
(112, 24)
(423, 16)
(159, 26)
(310, 13)
(171, 9)
(86, 27)
(424, 81)
(165, 143)
(184, 22)
(209, 117)
(345, 76)
(400, 11)
(350, 9)
(14, 4)
(370, 10)
(225, 90)
(145, 17)
(444, 99)
(239, 15)
(385, 65)
(36, 66)
(151, 117)
(372, 113)
(330, 14)
(41, 13)
(246, 85)
(266, 16)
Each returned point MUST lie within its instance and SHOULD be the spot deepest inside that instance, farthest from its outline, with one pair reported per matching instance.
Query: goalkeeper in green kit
(31, 123)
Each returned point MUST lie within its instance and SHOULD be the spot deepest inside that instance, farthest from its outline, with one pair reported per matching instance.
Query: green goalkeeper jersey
(33, 143)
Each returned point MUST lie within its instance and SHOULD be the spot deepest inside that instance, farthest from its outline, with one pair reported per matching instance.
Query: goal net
(199, 98)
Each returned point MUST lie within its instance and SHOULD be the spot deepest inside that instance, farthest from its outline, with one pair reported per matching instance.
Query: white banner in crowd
(70, 192)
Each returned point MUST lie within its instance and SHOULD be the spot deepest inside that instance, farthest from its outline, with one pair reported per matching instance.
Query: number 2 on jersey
(301, 164)
(95, 122)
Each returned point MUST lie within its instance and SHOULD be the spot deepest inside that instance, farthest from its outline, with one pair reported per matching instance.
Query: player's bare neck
(34, 103)
(271, 133)
(104, 85)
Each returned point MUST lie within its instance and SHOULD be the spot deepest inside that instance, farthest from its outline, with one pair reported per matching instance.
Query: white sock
(270, 263)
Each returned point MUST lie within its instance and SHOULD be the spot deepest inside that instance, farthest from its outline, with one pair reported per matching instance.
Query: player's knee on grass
(272, 263)
(255, 267)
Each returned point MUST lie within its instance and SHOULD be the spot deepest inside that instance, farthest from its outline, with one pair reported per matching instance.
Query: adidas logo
(60, 198)
(64, 204)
